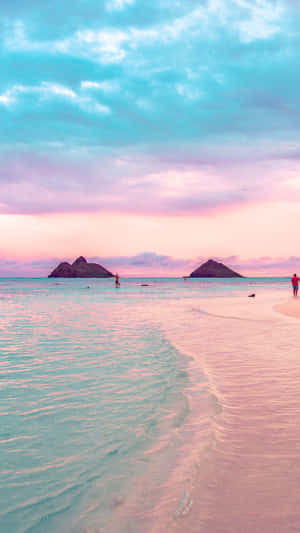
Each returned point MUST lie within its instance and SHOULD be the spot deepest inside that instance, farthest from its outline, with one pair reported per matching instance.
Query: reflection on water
(104, 418)
(248, 480)
(87, 385)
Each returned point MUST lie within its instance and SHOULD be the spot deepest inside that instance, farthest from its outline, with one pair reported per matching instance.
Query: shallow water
(248, 478)
(106, 412)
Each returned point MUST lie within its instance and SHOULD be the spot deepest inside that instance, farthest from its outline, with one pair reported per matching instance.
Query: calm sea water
(94, 399)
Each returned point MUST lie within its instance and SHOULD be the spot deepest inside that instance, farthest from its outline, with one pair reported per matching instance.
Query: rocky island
(80, 269)
(213, 269)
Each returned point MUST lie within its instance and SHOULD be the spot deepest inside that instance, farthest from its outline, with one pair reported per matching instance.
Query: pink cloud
(167, 184)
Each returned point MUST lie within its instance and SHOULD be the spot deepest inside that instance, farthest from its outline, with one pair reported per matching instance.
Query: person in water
(295, 284)
(117, 280)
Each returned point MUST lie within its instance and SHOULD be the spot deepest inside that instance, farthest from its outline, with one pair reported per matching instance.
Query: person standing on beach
(117, 280)
(295, 284)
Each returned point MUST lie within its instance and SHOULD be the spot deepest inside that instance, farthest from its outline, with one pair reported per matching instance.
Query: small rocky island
(80, 269)
(213, 269)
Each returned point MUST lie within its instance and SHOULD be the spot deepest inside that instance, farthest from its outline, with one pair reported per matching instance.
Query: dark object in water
(144, 285)
(251, 295)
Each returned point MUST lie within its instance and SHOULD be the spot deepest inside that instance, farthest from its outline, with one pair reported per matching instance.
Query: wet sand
(290, 307)
(247, 479)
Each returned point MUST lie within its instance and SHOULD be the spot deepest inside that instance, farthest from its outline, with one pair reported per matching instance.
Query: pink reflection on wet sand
(248, 480)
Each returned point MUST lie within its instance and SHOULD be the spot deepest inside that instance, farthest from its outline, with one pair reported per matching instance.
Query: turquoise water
(89, 386)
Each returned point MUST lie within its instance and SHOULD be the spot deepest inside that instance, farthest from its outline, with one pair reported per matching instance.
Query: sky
(150, 135)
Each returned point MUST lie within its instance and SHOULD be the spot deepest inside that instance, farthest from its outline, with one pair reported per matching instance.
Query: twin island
(82, 269)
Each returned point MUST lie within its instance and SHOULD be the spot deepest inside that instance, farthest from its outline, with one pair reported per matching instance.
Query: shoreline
(240, 481)
(290, 308)
(161, 491)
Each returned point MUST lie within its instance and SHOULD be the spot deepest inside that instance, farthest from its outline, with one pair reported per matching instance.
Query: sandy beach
(247, 479)
(290, 307)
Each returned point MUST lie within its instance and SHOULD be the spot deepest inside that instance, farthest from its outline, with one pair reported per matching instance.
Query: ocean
(101, 403)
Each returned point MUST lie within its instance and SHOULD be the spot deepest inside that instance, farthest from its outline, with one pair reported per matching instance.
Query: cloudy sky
(151, 135)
